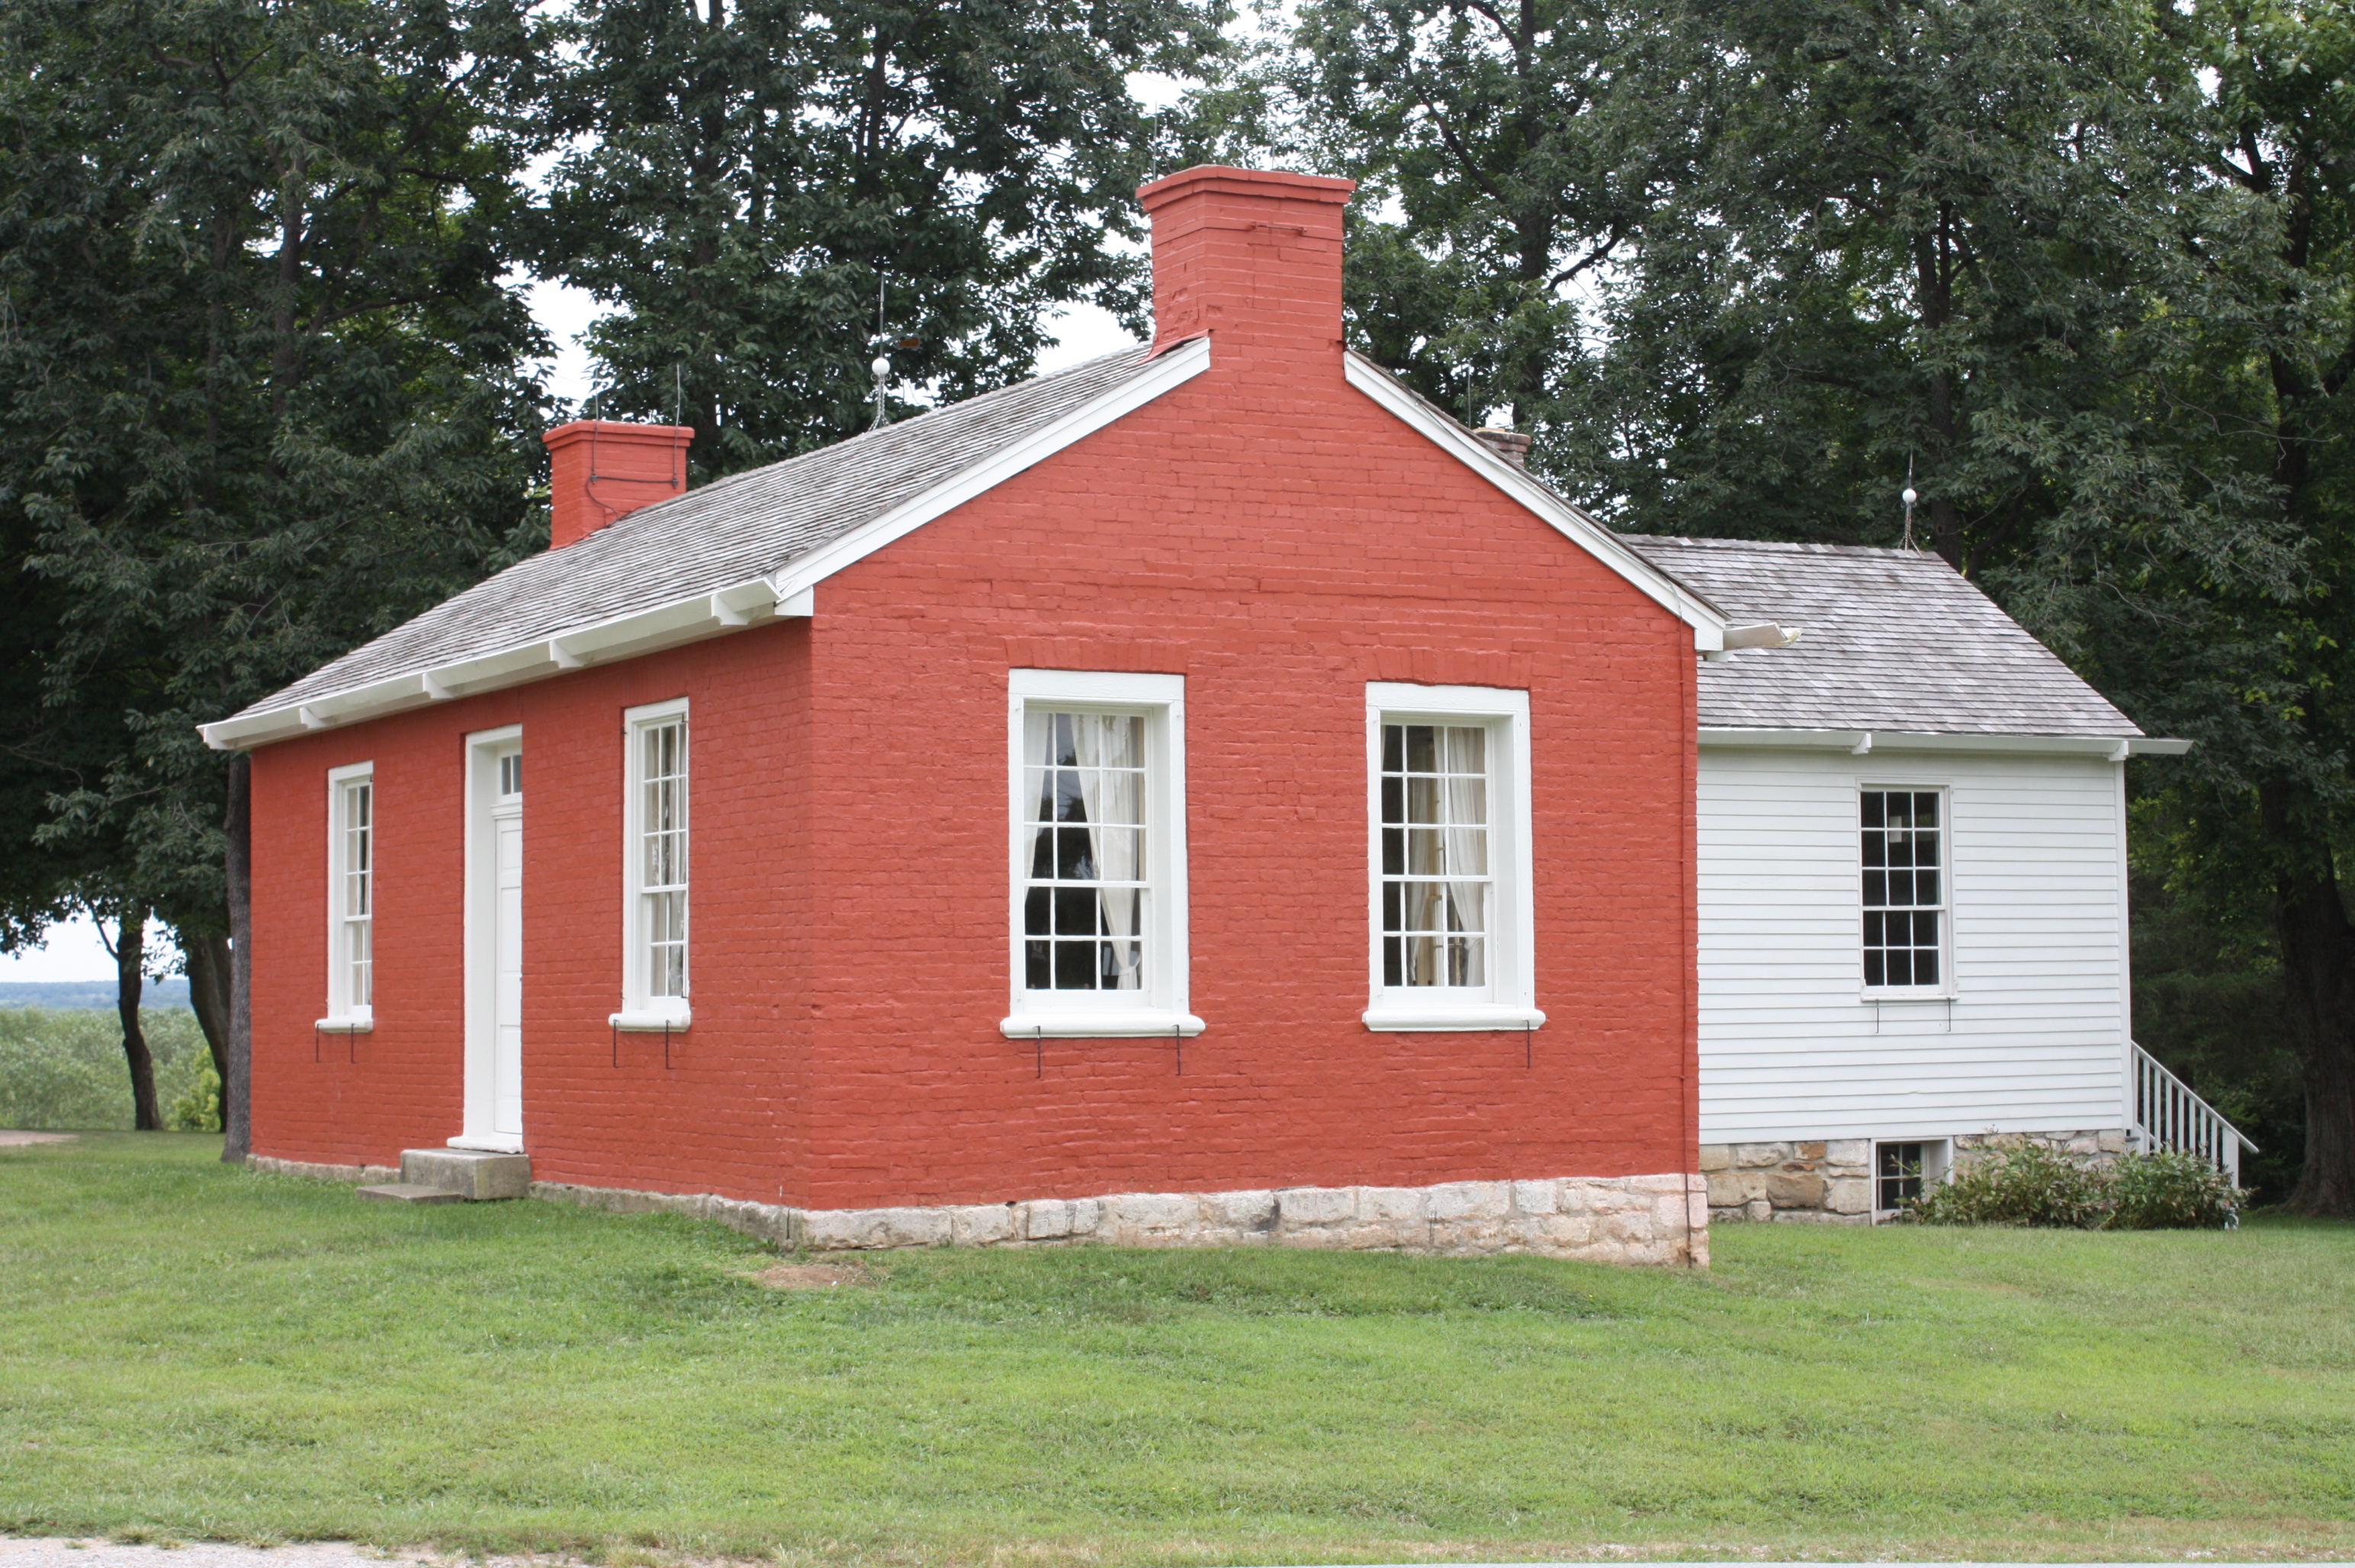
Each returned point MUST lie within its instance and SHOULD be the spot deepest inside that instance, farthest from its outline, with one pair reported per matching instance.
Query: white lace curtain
(1088, 775)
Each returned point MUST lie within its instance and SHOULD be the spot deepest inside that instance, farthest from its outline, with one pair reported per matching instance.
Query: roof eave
(1860, 743)
(785, 592)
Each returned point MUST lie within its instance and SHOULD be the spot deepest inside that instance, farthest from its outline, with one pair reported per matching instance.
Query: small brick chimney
(1512, 445)
(1252, 256)
(602, 469)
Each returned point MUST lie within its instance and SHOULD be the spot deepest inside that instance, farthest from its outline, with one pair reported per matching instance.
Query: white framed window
(1095, 762)
(654, 860)
(351, 897)
(1905, 889)
(1450, 881)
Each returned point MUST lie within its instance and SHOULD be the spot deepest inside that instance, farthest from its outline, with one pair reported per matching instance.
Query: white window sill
(1435, 1016)
(650, 1023)
(1109, 1024)
(487, 1143)
(345, 1023)
(1924, 993)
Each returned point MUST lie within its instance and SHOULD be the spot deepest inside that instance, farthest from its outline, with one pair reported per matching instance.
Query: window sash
(1438, 889)
(1086, 798)
(1904, 885)
(658, 858)
(351, 897)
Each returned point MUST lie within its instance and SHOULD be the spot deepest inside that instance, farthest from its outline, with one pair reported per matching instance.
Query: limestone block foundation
(1655, 1220)
(1829, 1180)
(1658, 1220)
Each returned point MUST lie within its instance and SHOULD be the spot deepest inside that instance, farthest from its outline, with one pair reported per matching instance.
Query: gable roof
(711, 560)
(750, 547)
(1895, 641)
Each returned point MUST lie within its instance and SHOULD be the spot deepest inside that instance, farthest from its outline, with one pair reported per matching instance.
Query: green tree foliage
(2080, 270)
(744, 182)
(262, 391)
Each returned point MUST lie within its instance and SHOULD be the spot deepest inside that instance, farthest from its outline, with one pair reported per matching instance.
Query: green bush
(63, 1069)
(2034, 1186)
(2172, 1190)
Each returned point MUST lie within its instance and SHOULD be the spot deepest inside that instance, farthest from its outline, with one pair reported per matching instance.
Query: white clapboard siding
(2034, 1037)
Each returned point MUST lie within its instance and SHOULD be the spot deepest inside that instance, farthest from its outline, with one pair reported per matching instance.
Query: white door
(494, 944)
(506, 968)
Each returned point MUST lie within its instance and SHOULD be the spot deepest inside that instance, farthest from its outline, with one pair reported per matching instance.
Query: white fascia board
(1708, 623)
(1175, 369)
(693, 619)
(2113, 748)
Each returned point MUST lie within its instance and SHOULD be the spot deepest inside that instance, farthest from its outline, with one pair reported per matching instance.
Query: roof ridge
(1808, 546)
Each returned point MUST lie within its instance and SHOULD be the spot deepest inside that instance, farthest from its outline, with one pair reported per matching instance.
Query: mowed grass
(200, 1352)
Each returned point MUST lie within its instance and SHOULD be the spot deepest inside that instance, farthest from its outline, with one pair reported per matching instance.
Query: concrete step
(410, 1192)
(475, 1175)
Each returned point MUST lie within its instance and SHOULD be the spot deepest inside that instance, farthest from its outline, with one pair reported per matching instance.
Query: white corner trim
(1456, 1017)
(1173, 369)
(1708, 623)
(639, 1022)
(1111, 1024)
(1862, 742)
(350, 1023)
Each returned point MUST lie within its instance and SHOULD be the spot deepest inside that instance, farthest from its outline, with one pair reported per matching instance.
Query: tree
(1503, 135)
(2252, 827)
(262, 390)
(750, 186)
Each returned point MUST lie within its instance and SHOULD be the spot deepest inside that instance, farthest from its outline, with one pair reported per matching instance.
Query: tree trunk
(209, 987)
(2317, 949)
(237, 1076)
(130, 953)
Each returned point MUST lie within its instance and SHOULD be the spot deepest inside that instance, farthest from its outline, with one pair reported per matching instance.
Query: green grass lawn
(199, 1352)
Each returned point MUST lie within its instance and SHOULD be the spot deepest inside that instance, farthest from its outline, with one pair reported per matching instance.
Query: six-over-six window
(1099, 863)
(1905, 889)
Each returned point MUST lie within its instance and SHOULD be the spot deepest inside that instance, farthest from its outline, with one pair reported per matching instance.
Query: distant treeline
(66, 995)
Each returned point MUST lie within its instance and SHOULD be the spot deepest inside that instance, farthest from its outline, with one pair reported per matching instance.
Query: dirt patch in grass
(812, 1277)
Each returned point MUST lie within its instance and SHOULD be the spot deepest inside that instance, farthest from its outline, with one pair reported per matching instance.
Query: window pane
(1086, 774)
(1435, 872)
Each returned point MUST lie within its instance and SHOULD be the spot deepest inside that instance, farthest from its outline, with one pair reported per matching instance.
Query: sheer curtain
(1112, 793)
(1464, 766)
(1087, 790)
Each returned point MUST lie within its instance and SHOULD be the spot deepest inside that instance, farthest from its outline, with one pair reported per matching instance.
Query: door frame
(484, 750)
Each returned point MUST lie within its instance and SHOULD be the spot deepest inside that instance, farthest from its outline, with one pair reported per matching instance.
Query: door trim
(484, 750)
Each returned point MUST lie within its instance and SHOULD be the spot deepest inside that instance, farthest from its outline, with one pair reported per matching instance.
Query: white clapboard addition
(2027, 1031)
(1888, 671)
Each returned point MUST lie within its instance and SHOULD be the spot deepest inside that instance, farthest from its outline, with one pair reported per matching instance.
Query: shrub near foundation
(2036, 1187)
(2172, 1190)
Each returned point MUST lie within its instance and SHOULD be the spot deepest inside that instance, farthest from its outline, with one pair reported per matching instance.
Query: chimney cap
(1280, 184)
(625, 429)
(1512, 445)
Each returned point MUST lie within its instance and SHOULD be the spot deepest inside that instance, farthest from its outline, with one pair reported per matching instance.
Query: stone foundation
(1659, 1220)
(1655, 1220)
(1830, 1180)
(357, 1174)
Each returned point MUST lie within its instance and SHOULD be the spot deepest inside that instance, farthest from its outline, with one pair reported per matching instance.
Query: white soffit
(786, 593)
(1708, 623)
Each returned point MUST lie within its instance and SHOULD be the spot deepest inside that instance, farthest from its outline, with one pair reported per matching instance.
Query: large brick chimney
(1251, 256)
(602, 469)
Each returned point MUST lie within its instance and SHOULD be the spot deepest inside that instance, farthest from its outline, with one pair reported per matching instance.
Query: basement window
(351, 897)
(1098, 923)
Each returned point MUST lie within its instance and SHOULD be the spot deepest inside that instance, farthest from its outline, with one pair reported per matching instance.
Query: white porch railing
(2168, 1114)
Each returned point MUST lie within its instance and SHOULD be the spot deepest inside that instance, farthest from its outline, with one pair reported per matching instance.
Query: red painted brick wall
(1265, 530)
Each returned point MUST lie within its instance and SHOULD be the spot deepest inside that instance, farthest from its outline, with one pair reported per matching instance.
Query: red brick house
(1206, 794)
